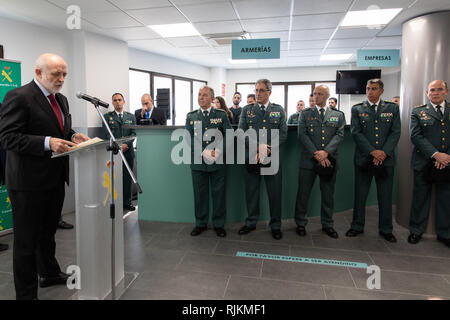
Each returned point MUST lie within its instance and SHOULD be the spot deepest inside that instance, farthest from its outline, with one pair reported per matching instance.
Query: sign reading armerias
(10, 78)
(378, 58)
(255, 49)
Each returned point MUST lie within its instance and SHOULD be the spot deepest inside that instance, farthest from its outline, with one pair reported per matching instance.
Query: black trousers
(35, 218)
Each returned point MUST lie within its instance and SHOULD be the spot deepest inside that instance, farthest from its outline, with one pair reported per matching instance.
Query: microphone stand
(114, 148)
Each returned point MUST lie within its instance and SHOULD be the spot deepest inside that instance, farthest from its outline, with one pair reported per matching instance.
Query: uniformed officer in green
(235, 109)
(267, 116)
(375, 127)
(430, 134)
(205, 169)
(293, 119)
(117, 119)
(320, 131)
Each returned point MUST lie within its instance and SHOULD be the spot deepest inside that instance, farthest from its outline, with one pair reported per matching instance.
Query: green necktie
(322, 114)
(263, 108)
(439, 111)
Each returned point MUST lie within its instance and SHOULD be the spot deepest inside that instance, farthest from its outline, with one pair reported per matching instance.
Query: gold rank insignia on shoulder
(420, 105)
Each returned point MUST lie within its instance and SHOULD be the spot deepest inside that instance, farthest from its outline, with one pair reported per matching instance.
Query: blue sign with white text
(255, 49)
(378, 58)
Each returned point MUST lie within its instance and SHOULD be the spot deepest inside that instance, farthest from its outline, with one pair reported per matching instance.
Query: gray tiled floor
(173, 265)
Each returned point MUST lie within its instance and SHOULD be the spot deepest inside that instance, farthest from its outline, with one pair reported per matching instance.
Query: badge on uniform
(333, 119)
(250, 114)
(275, 114)
(364, 115)
(216, 120)
(191, 123)
(386, 115)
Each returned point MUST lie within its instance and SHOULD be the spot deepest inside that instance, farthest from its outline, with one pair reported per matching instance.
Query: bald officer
(320, 131)
(375, 127)
(430, 134)
(208, 171)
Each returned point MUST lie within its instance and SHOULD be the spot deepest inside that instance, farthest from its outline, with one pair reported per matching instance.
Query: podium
(93, 222)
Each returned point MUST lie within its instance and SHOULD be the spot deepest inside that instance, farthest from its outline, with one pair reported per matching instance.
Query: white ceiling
(307, 29)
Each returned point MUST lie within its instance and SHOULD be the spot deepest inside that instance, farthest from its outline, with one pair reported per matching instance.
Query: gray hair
(211, 90)
(266, 82)
(375, 81)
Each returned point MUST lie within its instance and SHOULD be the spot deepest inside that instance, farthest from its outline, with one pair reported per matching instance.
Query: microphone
(93, 100)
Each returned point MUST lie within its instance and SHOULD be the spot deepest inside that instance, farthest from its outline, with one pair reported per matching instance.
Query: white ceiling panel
(391, 30)
(106, 20)
(313, 34)
(85, 5)
(346, 33)
(140, 4)
(266, 25)
(248, 9)
(302, 7)
(158, 16)
(303, 45)
(186, 2)
(186, 42)
(305, 52)
(218, 27)
(386, 41)
(283, 35)
(340, 50)
(328, 20)
(223, 50)
(382, 4)
(157, 45)
(348, 43)
(209, 12)
(198, 50)
(134, 33)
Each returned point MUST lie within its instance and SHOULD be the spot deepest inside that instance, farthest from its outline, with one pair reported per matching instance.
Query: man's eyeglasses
(260, 90)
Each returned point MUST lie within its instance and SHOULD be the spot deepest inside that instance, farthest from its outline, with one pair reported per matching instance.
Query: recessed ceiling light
(333, 57)
(242, 61)
(369, 17)
(175, 30)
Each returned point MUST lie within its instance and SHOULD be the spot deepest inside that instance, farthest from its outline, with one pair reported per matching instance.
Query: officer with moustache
(430, 135)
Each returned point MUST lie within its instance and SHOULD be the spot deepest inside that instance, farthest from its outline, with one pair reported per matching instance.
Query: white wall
(25, 42)
(142, 60)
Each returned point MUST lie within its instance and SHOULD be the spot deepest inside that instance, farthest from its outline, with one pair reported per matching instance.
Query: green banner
(10, 77)
(5, 210)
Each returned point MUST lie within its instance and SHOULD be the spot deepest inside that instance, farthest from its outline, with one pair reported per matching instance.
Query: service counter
(167, 188)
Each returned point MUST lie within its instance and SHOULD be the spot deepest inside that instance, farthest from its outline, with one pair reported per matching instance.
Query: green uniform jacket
(316, 135)
(293, 119)
(375, 130)
(216, 119)
(118, 131)
(429, 134)
(273, 117)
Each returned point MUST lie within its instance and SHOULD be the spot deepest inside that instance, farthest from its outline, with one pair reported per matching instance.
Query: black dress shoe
(61, 278)
(245, 230)
(220, 232)
(414, 238)
(64, 225)
(277, 234)
(129, 208)
(197, 230)
(331, 232)
(353, 233)
(3, 247)
(301, 231)
(388, 236)
(444, 241)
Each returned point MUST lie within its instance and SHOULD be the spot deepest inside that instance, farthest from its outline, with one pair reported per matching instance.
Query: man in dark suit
(35, 121)
(149, 114)
(430, 135)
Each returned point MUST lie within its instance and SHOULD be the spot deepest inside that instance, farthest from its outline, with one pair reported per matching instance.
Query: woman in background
(221, 104)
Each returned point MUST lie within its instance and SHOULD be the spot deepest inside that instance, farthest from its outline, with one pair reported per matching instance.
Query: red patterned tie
(56, 110)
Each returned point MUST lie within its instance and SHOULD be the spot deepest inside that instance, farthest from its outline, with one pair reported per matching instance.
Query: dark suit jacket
(26, 118)
(158, 116)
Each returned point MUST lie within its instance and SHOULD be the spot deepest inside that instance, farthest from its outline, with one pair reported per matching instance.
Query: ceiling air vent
(224, 39)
